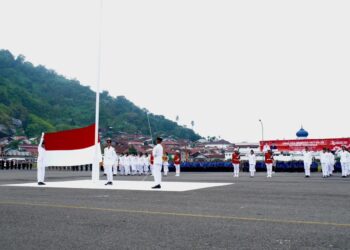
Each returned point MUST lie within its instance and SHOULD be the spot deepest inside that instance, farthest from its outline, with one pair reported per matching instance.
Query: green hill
(36, 99)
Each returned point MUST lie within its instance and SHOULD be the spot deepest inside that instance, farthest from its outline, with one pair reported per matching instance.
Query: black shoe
(156, 187)
(307, 176)
(41, 184)
(114, 175)
(109, 183)
(343, 177)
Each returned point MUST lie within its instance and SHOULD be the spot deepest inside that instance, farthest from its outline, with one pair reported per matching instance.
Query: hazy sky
(223, 64)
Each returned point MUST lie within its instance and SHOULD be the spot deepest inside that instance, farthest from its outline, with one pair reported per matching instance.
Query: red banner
(313, 144)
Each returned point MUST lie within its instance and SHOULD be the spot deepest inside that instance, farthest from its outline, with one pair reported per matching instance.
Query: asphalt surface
(285, 212)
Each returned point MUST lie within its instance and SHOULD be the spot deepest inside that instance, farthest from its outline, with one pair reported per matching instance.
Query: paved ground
(285, 212)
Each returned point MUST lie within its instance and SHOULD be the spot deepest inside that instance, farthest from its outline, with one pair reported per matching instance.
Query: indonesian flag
(71, 147)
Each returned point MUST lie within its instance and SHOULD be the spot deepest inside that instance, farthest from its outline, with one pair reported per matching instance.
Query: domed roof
(302, 133)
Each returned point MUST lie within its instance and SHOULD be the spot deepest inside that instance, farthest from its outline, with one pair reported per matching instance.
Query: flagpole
(96, 166)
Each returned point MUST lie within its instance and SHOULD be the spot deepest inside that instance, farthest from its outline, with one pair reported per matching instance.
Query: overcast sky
(223, 64)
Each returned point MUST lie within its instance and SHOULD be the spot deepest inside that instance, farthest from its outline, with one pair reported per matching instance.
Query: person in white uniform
(331, 162)
(157, 165)
(127, 164)
(166, 164)
(140, 163)
(115, 166)
(41, 163)
(252, 163)
(324, 158)
(145, 159)
(109, 159)
(307, 158)
(121, 164)
(133, 164)
(344, 158)
(348, 161)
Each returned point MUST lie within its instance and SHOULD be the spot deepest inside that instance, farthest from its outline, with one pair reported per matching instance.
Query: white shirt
(252, 159)
(344, 156)
(158, 154)
(307, 156)
(331, 158)
(324, 158)
(109, 156)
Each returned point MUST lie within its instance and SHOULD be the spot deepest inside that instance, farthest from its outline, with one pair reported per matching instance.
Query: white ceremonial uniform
(145, 164)
(344, 158)
(140, 164)
(41, 164)
(166, 165)
(133, 164)
(331, 162)
(307, 158)
(109, 159)
(121, 165)
(324, 158)
(252, 164)
(115, 166)
(157, 165)
(127, 163)
(348, 163)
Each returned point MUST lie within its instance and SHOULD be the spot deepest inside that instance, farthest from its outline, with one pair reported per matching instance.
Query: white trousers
(146, 168)
(236, 170)
(109, 172)
(133, 169)
(157, 173)
(269, 169)
(41, 173)
(121, 169)
(330, 168)
(115, 169)
(140, 168)
(127, 169)
(166, 168)
(344, 168)
(252, 169)
(177, 169)
(307, 167)
(324, 169)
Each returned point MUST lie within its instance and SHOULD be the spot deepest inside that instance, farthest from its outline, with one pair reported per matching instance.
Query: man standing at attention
(236, 159)
(109, 159)
(307, 157)
(158, 162)
(41, 163)
(252, 163)
(269, 162)
(177, 163)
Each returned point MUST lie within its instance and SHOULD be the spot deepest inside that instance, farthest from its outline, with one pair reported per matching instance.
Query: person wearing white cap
(252, 163)
(158, 161)
(109, 159)
(344, 158)
(307, 157)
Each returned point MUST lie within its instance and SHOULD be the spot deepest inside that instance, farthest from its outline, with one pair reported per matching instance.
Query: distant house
(220, 144)
(31, 149)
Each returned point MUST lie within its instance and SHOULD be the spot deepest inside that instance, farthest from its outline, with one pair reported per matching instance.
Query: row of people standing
(11, 164)
(134, 164)
(236, 160)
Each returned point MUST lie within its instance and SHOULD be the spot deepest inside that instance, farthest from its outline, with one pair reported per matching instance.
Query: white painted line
(125, 185)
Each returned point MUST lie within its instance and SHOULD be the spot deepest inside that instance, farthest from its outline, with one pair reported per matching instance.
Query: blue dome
(302, 133)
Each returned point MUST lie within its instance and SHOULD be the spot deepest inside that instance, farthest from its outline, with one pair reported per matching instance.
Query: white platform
(125, 185)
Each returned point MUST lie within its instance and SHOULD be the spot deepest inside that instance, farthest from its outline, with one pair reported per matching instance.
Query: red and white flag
(71, 147)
